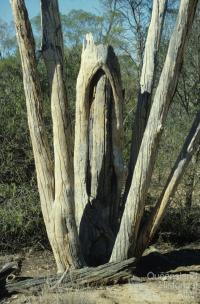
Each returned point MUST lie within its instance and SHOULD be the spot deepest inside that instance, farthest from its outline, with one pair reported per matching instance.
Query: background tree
(7, 38)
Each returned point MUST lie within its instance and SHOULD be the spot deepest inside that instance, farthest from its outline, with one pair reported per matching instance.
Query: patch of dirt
(34, 263)
(166, 275)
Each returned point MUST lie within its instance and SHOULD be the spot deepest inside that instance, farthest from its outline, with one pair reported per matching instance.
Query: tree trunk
(146, 84)
(56, 192)
(63, 218)
(33, 94)
(127, 236)
(189, 148)
(110, 273)
(98, 161)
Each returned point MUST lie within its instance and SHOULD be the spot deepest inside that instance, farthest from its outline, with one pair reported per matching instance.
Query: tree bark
(127, 236)
(33, 94)
(56, 194)
(107, 274)
(98, 161)
(190, 146)
(67, 246)
(146, 84)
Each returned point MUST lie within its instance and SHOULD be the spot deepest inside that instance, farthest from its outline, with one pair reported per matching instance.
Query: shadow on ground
(159, 263)
(183, 260)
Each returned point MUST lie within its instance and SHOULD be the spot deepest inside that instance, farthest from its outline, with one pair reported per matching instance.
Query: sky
(33, 7)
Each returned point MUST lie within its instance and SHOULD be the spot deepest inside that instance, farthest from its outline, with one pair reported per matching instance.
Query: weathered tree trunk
(63, 224)
(146, 84)
(55, 186)
(98, 161)
(110, 273)
(127, 236)
(41, 150)
(190, 146)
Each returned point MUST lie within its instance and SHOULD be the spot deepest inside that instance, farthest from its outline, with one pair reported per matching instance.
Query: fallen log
(107, 274)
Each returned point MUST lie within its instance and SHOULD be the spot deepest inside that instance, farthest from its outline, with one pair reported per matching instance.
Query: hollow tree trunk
(98, 161)
(190, 146)
(55, 185)
(127, 236)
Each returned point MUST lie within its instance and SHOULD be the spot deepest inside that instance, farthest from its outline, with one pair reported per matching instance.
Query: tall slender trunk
(33, 94)
(146, 84)
(190, 146)
(127, 236)
(63, 217)
(55, 186)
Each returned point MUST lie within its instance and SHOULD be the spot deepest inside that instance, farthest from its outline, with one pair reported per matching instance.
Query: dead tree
(80, 193)
(98, 164)
(107, 274)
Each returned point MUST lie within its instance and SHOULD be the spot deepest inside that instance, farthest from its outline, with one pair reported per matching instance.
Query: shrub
(21, 222)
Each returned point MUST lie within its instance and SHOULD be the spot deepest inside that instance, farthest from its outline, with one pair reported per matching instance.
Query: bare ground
(164, 275)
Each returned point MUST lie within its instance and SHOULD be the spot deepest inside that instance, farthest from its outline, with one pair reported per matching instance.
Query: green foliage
(72, 64)
(106, 28)
(21, 221)
(16, 155)
(180, 225)
(77, 23)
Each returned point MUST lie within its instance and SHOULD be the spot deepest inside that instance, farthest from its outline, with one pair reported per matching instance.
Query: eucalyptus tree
(7, 39)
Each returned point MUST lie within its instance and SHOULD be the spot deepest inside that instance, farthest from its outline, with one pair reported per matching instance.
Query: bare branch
(41, 150)
(146, 85)
(68, 252)
(126, 238)
(190, 146)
